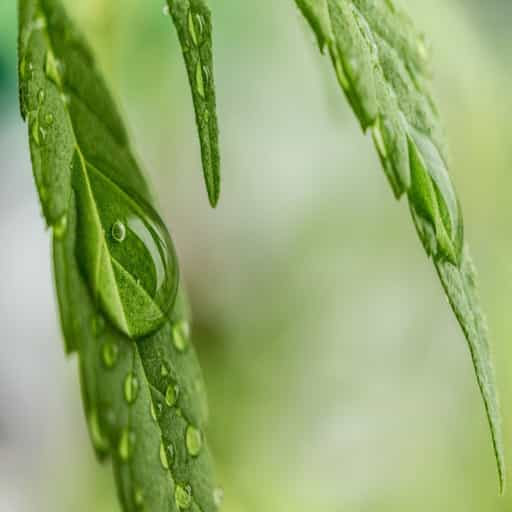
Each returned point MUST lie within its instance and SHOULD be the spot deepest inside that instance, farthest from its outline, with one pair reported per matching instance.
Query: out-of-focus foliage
(324, 357)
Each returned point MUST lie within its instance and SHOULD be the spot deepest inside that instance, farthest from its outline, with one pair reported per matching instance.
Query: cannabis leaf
(116, 275)
(381, 63)
(192, 20)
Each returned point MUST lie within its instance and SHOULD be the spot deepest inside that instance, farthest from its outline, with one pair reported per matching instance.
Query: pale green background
(337, 376)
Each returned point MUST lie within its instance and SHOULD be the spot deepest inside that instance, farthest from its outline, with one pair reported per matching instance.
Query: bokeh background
(338, 379)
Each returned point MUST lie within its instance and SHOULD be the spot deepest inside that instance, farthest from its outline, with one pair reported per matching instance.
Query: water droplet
(171, 394)
(138, 497)
(218, 496)
(131, 388)
(110, 354)
(118, 231)
(183, 496)
(65, 99)
(30, 71)
(378, 137)
(194, 440)
(170, 452)
(166, 11)
(39, 23)
(200, 23)
(192, 28)
(200, 80)
(163, 456)
(43, 133)
(41, 96)
(98, 325)
(48, 119)
(164, 371)
(180, 335)
(34, 131)
(126, 444)
(99, 440)
(60, 227)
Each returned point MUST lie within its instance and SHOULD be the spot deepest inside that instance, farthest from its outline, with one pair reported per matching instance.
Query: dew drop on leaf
(51, 68)
(218, 496)
(183, 496)
(194, 440)
(180, 334)
(200, 80)
(126, 444)
(98, 325)
(131, 388)
(110, 354)
(41, 96)
(118, 231)
(99, 440)
(138, 497)
(61, 226)
(171, 394)
(163, 456)
(165, 10)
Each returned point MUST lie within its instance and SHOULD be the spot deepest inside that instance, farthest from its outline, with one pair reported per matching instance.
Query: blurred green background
(338, 379)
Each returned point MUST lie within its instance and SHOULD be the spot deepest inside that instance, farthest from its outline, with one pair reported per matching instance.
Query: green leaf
(192, 20)
(77, 142)
(381, 63)
(116, 275)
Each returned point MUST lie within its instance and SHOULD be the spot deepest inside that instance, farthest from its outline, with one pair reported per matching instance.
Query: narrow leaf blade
(192, 20)
(382, 66)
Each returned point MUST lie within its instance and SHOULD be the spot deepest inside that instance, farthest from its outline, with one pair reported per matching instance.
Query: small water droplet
(52, 68)
(126, 444)
(194, 440)
(34, 131)
(110, 354)
(98, 325)
(183, 496)
(163, 456)
(65, 99)
(170, 452)
(39, 23)
(48, 119)
(180, 335)
(200, 80)
(60, 227)
(192, 28)
(200, 23)
(171, 394)
(118, 231)
(218, 496)
(164, 371)
(99, 440)
(41, 96)
(138, 497)
(43, 134)
(131, 388)
(166, 11)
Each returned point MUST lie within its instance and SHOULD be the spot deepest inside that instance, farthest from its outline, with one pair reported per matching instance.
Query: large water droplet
(218, 496)
(126, 444)
(194, 440)
(171, 394)
(131, 388)
(130, 264)
(110, 354)
(180, 335)
(183, 496)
